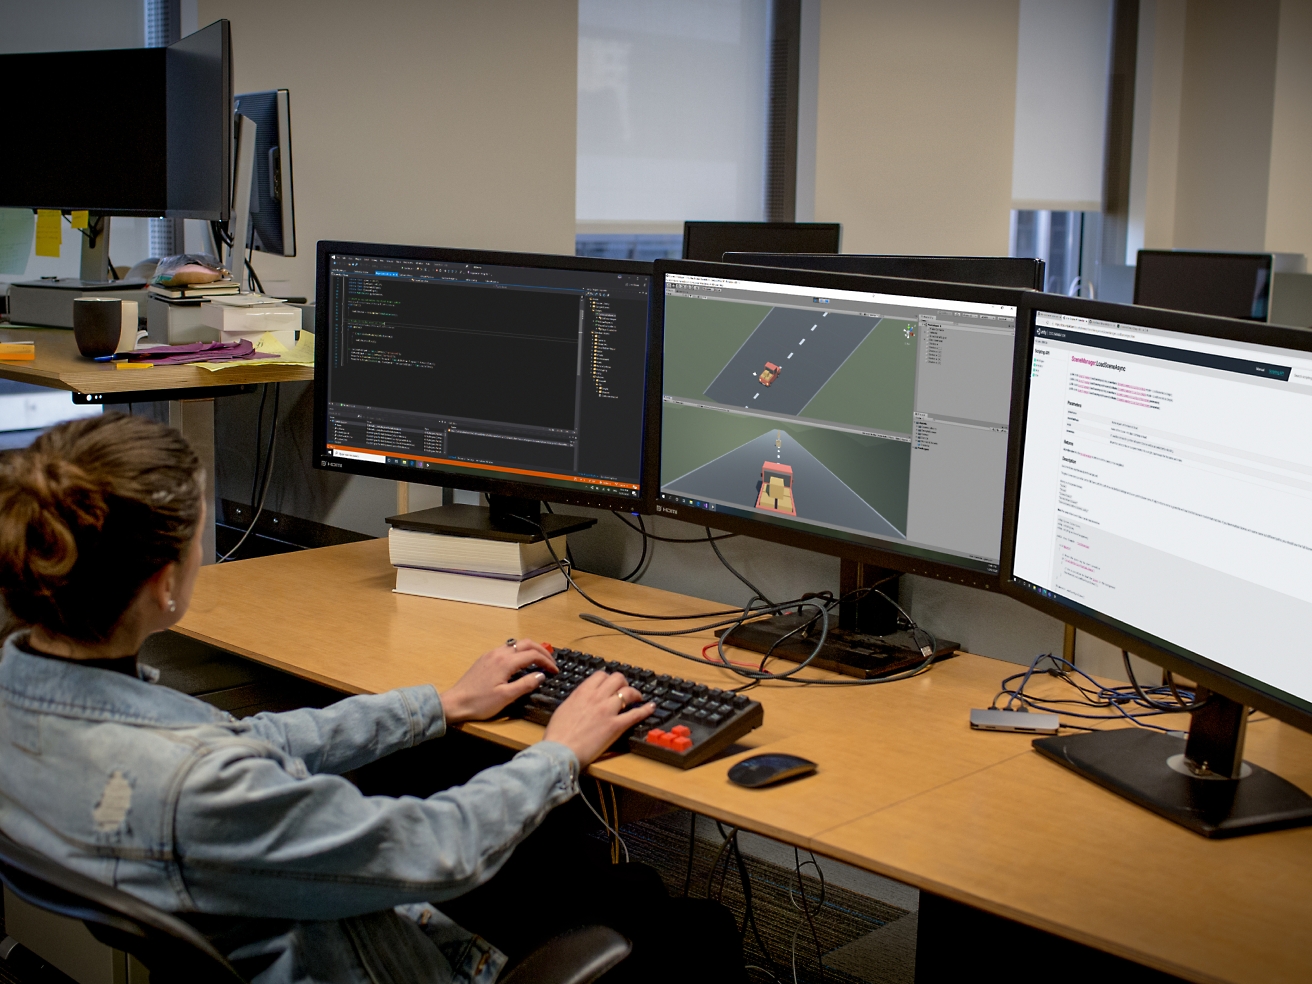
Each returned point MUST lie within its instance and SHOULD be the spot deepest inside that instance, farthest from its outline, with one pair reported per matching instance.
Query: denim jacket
(246, 828)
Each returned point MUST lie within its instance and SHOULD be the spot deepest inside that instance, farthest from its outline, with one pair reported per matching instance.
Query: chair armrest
(577, 957)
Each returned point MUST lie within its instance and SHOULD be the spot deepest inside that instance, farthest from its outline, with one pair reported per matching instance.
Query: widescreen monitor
(1229, 285)
(1160, 496)
(132, 131)
(992, 271)
(273, 215)
(859, 416)
(519, 375)
(711, 240)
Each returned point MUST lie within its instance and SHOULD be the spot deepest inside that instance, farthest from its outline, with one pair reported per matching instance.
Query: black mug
(104, 325)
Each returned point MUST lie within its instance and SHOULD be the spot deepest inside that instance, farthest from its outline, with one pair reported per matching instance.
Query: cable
(1180, 705)
(805, 908)
(730, 568)
(609, 830)
(252, 278)
(268, 475)
(641, 557)
(724, 846)
(692, 850)
(259, 434)
(668, 539)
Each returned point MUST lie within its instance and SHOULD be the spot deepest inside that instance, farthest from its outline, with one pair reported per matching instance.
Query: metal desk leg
(195, 419)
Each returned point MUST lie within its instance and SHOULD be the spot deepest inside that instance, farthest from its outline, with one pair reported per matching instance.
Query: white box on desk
(178, 323)
(250, 320)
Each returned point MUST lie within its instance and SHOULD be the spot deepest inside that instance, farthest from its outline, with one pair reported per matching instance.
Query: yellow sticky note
(134, 365)
(49, 232)
(80, 220)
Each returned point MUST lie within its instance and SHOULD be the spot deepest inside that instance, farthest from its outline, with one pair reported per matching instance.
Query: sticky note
(17, 351)
(134, 365)
(17, 230)
(80, 220)
(49, 232)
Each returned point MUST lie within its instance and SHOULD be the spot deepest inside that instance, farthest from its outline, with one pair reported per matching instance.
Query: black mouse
(765, 770)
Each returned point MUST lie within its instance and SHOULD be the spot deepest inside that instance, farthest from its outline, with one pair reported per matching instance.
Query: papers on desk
(300, 354)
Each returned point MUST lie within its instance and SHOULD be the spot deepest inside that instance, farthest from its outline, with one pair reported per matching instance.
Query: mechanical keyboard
(691, 722)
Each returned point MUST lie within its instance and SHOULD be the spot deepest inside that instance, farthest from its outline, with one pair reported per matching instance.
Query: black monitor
(1229, 285)
(519, 375)
(991, 271)
(273, 216)
(133, 131)
(1159, 496)
(711, 240)
(864, 417)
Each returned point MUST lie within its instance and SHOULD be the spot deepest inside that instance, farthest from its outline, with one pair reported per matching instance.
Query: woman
(246, 826)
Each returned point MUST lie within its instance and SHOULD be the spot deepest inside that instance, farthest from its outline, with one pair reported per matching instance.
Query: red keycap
(549, 647)
(681, 730)
(655, 736)
(681, 743)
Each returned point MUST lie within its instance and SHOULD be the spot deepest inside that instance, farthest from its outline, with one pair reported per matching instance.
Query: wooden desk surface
(59, 365)
(905, 788)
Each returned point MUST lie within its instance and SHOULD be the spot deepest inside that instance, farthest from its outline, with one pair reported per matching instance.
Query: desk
(905, 788)
(189, 391)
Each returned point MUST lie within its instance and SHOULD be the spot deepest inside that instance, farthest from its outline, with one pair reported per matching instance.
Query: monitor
(1158, 496)
(1229, 285)
(519, 375)
(273, 217)
(858, 416)
(133, 131)
(992, 271)
(711, 240)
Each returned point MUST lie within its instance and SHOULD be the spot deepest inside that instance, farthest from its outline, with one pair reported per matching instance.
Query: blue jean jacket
(247, 828)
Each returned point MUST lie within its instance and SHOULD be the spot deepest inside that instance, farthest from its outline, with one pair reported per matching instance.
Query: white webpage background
(1175, 499)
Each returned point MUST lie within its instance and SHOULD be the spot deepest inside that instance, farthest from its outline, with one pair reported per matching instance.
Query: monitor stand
(1201, 783)
(504, 518)
(866, 642)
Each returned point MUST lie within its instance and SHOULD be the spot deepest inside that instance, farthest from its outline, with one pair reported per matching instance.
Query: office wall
(914, 125)
(1155, 147)
(441, 123)
(1226, 124)
(1289, 201)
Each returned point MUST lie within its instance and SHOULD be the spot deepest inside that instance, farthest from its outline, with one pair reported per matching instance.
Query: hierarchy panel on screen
(520, 373)
(868, 417)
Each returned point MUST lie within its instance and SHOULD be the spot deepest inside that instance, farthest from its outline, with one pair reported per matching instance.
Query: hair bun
(46, 501)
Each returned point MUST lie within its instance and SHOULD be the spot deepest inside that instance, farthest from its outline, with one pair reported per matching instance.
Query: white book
(501, 591)
(436, 551)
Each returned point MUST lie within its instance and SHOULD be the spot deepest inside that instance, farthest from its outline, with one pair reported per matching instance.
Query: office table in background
(905, 788)
(189, 391)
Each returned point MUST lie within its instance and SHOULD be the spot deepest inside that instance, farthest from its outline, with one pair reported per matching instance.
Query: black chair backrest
(168, 946)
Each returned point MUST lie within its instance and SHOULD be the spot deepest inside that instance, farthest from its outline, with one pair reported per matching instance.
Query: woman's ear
(160, 590)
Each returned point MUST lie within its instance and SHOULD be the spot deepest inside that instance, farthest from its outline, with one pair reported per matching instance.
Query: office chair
(172, 950)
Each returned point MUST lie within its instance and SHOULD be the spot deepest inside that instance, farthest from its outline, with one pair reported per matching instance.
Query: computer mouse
(765, 770)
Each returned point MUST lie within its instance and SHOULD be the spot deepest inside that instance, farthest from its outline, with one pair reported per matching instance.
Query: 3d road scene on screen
(775, 475)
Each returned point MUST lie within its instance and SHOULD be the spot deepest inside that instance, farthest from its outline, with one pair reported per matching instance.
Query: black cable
(259, 440)
(692, 850)
(641, 557)
(724, 846)
(268, 475)
(1180, 705)
(730, 568)
(749, 913)
(668, 539)
(806, 906)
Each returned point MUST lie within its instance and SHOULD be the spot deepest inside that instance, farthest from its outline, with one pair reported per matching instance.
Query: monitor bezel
(806, 540)
(1212, 255)
(834, 263)
(692, 224)
(1193, 666)
(447, 479)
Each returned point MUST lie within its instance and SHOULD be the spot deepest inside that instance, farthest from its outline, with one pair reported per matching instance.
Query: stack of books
(195, 292)
(503, 573)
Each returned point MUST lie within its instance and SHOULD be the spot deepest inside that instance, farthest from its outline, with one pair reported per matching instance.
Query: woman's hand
(590, 718)
(486, 688)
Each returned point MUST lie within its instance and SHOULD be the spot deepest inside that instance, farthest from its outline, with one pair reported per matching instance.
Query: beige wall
(1225, 124)
(1289, 204)
(440, 123)
(914, 125)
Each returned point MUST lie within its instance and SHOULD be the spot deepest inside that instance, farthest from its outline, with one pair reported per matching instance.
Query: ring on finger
(513, 644)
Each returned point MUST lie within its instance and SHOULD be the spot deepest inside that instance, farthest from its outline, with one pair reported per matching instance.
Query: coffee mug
(104, 325)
